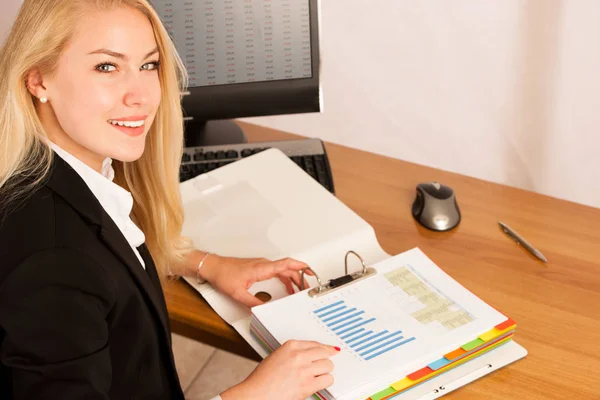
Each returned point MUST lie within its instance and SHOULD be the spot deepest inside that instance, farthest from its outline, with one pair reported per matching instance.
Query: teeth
(128, 124)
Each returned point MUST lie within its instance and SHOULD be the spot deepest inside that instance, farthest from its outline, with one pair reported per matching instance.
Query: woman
(91, 137)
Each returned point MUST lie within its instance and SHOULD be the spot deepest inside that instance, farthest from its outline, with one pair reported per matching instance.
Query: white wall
(506, 91)
(8, 11)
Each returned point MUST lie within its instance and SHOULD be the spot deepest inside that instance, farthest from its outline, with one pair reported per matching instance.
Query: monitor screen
(230, 41)
(246, 57)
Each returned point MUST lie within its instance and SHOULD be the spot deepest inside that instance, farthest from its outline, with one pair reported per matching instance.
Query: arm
(53, 310)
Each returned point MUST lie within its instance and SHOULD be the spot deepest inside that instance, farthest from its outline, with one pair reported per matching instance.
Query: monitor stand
(210, 133)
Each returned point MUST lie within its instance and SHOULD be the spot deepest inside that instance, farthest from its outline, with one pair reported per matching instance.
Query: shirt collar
(80, 167)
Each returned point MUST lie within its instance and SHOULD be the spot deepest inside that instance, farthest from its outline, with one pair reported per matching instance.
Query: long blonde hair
(41, 31)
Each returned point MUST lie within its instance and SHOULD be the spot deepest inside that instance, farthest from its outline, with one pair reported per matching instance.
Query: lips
(133, 118)
(131, 126)
(133, 129)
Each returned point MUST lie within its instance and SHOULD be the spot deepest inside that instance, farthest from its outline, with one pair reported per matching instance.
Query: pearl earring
(43, 99)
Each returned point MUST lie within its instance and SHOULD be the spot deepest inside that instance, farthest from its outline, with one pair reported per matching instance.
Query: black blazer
(80, 318)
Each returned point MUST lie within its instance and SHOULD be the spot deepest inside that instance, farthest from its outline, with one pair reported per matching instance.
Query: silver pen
(520, 240)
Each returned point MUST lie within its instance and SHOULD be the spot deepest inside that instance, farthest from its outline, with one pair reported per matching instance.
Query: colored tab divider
(498, 330)
(455, 354)
(406, 383)
(383, 393)
(472, 344)
(442, 362)
(421, 374)
(489, 335)
(509, 322)
(448, 358)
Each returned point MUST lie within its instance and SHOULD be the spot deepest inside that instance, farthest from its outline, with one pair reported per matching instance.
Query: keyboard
(308, 154)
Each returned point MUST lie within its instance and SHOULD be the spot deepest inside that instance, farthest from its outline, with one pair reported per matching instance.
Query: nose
(136, 93)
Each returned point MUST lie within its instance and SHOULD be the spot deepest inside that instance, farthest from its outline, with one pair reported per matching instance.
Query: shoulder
(27, 226)
(42, 222)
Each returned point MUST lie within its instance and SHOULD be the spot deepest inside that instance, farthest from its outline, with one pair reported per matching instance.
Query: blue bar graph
(332, 311)
(353, 333)
(329, 306)
(369, 338)
(345, 318)
(359, 337)
(339, 315)
(357, 325)
(386, 337)
(350, 324)
(353, 321)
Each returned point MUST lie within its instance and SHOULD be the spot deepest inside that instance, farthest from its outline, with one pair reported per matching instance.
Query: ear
(35, 84)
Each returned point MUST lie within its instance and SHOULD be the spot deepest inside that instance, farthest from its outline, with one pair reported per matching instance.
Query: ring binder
(340, 282)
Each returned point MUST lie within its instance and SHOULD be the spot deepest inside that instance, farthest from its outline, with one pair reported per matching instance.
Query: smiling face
(105, 92)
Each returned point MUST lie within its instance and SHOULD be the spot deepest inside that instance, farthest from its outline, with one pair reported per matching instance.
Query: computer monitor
(244, 58)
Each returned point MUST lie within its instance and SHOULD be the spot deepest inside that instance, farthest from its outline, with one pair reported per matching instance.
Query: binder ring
(319, 288)
(364, 270)
(338, 283)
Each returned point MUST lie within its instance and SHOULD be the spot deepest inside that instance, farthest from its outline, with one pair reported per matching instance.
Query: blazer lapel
(71, 187)
(116, 242)
(154, 278)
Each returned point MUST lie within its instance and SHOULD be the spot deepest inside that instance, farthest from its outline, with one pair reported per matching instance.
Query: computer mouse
(435, 207)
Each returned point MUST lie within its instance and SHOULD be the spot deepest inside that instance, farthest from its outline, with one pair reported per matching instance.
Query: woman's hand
(234, 276)
(293, 372)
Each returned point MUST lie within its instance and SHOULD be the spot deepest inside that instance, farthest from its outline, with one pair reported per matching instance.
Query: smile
(128, 124)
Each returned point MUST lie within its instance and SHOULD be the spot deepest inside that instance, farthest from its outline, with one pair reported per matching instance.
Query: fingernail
(337, 348)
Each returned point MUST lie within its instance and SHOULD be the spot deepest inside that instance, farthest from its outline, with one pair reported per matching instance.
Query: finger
(322, 382)
(294, 276)
(247, 299)
(319, 353)
(307, 344)
(288, 284)
(269, 270)
(321, 367)
(290, 263)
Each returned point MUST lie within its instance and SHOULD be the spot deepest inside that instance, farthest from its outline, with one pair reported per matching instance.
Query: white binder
(266, 206)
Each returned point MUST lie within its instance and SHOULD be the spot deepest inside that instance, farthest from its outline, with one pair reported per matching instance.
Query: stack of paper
(405, 325)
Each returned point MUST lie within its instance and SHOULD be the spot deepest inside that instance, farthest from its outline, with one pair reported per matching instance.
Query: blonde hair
(40, 33)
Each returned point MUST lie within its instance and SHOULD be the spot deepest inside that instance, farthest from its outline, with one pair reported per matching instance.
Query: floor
(204, 371)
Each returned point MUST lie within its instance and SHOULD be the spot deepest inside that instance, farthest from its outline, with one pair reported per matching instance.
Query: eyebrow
(119, 55)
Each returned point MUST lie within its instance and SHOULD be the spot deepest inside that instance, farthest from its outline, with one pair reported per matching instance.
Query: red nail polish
(337, 348)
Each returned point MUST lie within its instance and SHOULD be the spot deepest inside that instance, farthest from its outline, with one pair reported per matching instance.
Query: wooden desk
(556, 305)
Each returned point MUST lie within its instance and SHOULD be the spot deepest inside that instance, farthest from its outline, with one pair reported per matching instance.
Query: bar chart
(354, 327)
